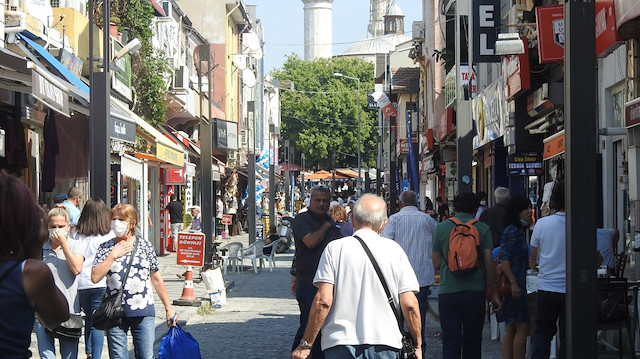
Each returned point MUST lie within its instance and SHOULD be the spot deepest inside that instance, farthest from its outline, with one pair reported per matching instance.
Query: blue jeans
(47, 349)
(461, 320)
(550, 309)
(90, 299)
(305, 296)
(362, 352)
(143, 332)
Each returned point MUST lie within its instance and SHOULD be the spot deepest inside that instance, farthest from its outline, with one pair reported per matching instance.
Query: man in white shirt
(351, 305)
(548, 254)
(413, 230)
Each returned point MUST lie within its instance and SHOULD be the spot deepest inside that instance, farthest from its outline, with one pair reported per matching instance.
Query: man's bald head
(370, 211)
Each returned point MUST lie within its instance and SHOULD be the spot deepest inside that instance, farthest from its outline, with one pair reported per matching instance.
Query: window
(55, 3)
(617, 103)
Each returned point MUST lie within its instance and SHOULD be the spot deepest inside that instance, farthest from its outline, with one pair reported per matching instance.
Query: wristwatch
(305, 344)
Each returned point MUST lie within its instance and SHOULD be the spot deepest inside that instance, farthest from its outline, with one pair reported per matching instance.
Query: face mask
(524, 222)
(52, 231)
(63, 231)
(119, 228)
(483, 203)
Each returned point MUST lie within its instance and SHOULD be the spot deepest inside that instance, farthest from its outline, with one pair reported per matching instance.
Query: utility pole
(464, 135)
(206, 145)
(580, 111)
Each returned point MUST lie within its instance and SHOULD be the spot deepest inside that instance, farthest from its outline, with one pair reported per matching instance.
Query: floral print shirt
(137, 294)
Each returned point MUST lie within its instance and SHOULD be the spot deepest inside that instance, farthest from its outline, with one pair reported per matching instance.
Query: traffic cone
(188, 297)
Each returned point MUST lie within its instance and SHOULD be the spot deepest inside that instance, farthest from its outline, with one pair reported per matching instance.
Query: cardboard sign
(227, 219)
(190, 249)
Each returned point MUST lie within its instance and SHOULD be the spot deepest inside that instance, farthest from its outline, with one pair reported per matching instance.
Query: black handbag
(408, 350)
(110, 313)
(70, 329)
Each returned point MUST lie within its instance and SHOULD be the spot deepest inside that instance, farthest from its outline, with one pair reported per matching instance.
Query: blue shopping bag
(178, 344)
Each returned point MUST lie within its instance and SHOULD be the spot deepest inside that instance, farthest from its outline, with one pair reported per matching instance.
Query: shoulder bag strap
(126, 274)
(384, 283)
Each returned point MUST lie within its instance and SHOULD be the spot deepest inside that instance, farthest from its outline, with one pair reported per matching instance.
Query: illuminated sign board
(525, 164)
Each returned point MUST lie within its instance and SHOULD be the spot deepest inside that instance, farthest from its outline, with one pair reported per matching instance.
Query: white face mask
(483, 203)
(119, 228)
(63, 231)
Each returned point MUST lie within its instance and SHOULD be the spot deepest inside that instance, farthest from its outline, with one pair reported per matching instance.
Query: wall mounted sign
(486, 22)
(550, 22)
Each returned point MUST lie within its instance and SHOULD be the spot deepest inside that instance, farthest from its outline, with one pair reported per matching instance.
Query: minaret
(376, 17)
(394, 20)
(317, 29)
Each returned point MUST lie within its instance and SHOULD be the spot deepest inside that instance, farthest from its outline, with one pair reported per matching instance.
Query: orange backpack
(464, 241)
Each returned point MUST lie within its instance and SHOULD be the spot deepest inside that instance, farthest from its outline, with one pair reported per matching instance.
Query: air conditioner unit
(181, 79)
(244, 138)
(233, 156)
(417, 28)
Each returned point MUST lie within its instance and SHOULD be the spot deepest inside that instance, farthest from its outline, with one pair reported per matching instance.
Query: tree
(320, 117)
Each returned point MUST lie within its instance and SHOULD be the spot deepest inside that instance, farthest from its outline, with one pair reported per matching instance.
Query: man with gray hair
(351, 306)
(72, 203)
(494, 216)
(413, 230)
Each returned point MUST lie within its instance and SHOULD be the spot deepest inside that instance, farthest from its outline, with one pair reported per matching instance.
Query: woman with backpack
(514, 259)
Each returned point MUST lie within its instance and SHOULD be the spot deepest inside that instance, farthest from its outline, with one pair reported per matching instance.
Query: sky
(283, 25)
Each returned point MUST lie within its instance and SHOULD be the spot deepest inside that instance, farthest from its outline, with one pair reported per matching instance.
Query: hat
(59, 197)
(195, 207)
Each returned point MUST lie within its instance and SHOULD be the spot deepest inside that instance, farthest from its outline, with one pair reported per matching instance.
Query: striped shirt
(413, 230)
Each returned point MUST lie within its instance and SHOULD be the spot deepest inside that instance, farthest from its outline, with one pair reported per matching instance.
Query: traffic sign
(190, 250)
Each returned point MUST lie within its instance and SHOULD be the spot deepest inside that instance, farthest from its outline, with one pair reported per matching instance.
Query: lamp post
(358, 182)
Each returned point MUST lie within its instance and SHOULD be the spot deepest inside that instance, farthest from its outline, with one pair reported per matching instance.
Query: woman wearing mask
(62, 256)
(27, 286)
(111, 260)
(514, 258)
(92, 230)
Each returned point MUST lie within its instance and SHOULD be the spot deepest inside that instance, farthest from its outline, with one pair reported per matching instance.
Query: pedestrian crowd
(345, 283)
(56, 269)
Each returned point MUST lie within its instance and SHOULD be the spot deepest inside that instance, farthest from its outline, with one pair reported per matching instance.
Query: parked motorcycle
(284, 232)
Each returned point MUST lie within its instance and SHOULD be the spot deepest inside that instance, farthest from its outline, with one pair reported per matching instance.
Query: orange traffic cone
(188, 297)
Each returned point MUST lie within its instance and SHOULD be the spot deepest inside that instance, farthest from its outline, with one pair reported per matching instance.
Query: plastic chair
(271, 258)
(253, 253)
(234, 256)
(613, 308)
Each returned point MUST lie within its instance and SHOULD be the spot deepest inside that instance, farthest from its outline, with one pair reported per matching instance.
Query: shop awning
(153, 159)
(131, 167)
(166, 150)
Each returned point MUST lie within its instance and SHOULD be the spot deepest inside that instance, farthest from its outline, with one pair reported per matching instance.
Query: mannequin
(546, 194)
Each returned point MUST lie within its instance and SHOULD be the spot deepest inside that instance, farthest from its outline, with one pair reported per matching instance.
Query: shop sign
(550, 22)
(71, 62)
(451, 170)
(486, 22)
(175, 176)
(121, 79)
(190, 251)
(444, 124)
(553, 145)
(49, 93)
(371, 102)
(124, 131)
(607, 37)
(632, 113)
(515, 70)
(489, 113)
(226, 219)
(388, 110)
(524, 164)
(169, 155)
(627, 17)
(226, 135)
(467, 80)
(403, 146)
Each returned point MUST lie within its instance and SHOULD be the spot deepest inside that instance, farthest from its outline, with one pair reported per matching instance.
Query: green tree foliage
(148, 67)
(320, 117)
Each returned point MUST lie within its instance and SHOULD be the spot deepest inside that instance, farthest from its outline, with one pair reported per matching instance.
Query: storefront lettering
(51, 91)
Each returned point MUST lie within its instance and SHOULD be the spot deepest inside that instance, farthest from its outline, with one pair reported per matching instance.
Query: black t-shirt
(175, 211)
(306, 260)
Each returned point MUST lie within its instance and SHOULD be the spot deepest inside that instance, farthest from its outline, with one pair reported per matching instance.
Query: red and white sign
(550, 22)
(607, 37)
(515, 70)
(190, 249)
(226, 219)
(632, 113)
(175, 176)
(385, 105)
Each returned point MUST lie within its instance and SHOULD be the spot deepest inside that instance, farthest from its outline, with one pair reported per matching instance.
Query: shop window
(617, 102)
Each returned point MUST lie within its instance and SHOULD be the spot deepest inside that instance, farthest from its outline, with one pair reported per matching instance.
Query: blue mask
(524, 223)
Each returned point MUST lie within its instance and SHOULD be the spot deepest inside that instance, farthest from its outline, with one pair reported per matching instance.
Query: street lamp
(359, 186)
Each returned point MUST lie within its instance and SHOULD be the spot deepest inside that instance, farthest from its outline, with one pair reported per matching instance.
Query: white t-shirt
(92, 243)
(360, 313)
(65, 279)
(550, 237)
(605, 246)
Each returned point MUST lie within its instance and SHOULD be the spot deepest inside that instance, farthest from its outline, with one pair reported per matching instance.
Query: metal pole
(359, 143)
(272, 176)
(99, 116)
(206, 144)
(581, 177)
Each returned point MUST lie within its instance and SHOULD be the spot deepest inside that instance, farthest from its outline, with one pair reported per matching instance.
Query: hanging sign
(550, 22)
(486, 22)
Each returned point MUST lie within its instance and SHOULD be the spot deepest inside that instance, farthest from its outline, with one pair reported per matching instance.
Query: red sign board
(607, 36)
(175, 176)
(515, 70)
(227, 219)
(550, 21)
(190, 249)
(632, 113)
